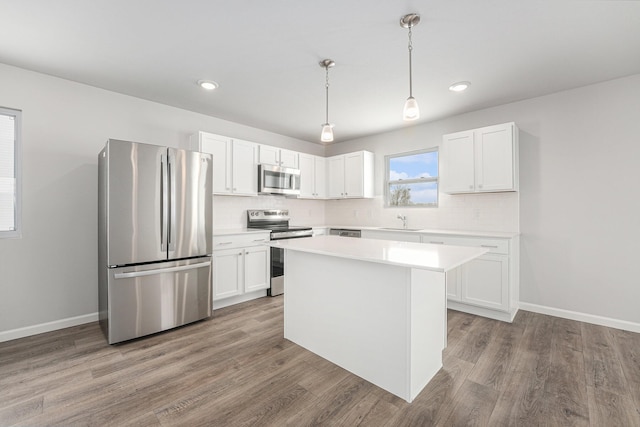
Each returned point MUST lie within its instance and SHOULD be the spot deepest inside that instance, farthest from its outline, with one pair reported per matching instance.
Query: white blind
(8, 194)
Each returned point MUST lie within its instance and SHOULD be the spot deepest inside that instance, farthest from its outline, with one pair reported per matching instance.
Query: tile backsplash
(477, 212)
(231, 211)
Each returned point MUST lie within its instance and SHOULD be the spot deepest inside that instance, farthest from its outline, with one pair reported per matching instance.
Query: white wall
(578, 207)
(50, 274)
(579, 199)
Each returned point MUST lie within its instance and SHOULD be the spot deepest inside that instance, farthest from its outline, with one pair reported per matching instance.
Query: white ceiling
(265, 54)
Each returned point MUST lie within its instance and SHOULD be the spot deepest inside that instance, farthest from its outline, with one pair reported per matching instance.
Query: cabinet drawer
(239, 240)
(495, 246)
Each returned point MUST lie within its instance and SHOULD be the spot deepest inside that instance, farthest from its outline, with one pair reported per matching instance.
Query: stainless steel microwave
(274, 179)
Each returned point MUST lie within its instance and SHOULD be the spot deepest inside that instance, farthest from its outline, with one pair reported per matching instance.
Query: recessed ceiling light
(459, 86)
(208, 84)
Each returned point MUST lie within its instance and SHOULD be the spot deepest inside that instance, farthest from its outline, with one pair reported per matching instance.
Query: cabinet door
(220, 148)
(256, 268)
(485, 282)
(268, 155)
(335, 169)
(307, 176)
(289, 159)
(320, 177)
(458, 173)
(245, 169)
(227, 273)
(494, 158)
(353, 175)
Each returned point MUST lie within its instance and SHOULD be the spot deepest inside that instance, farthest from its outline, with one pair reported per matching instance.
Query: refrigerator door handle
(161, 270)
(171, 226)
(163, 202)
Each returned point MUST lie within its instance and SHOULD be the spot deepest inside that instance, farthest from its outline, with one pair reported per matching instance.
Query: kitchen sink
(399, 229)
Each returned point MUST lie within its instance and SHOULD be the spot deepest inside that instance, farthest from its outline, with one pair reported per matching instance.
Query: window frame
(17, 162)
(388, 183)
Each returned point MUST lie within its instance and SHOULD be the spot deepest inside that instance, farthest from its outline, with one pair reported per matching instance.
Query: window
(411, 179)
(10, 123)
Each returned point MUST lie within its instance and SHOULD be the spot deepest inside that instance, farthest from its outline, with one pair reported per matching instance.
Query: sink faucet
(404, 220)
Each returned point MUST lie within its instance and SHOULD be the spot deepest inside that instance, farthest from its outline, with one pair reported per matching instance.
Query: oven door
(277, 269)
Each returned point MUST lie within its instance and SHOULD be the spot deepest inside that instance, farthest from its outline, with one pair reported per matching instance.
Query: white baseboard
(582, 317)
(226, 302)
(47, 327)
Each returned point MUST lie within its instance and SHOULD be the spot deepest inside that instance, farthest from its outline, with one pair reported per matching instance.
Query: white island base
(384, 323)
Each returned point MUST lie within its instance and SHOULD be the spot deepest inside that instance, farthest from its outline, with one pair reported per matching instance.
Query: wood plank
(474, 405)
(521, 401)
(565, 392)
(609, 409)
(627, 347)
(603, 368)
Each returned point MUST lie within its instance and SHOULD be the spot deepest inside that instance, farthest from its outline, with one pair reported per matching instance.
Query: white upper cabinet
(278, 156)
(351, 175)
(481, 160)
(234, 164)
(313, 177)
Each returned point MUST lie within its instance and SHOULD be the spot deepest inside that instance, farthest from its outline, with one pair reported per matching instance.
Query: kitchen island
(376, 308)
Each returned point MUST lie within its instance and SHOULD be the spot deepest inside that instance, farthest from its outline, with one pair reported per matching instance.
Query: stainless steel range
(276, 220)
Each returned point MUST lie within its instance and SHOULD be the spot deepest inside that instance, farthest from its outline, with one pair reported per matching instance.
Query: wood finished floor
(236, 369)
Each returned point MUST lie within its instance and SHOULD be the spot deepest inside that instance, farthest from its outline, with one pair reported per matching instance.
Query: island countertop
(423, 256)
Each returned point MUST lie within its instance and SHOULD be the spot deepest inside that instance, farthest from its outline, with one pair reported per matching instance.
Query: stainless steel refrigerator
(154, 238)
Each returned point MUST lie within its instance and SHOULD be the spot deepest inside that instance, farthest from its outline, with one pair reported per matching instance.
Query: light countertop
(442, 232)
(228, 231)
(425, 256)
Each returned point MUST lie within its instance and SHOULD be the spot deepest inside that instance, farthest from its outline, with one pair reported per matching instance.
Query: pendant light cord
(410, 65)
(327, 90)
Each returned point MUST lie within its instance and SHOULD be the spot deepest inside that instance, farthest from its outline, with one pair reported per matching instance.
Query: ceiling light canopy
(208, 84)
(411, 110)
(459, 86)
(327, 128)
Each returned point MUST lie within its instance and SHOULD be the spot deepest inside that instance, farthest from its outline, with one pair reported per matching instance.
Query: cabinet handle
(471, 187)
(259, 240)
(225, 243)
(480, 186)
(489, 246)
(437, 243)
(235, 189)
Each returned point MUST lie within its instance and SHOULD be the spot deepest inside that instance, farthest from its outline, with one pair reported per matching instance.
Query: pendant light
(411, 110)
(327, 128)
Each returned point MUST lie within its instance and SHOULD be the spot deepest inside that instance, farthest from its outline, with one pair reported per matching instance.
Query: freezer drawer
(145, 299)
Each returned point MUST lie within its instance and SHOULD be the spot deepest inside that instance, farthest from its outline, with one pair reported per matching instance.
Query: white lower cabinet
(485, 282)
(488, 285)
(256, 268)
(227, 273)
(240, 269)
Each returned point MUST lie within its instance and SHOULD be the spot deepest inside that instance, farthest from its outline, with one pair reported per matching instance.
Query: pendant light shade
(327, 133)
(327, 128)
(411, 110)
